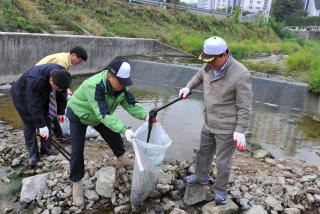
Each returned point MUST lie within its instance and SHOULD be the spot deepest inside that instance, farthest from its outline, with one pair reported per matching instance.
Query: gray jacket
(227, 98)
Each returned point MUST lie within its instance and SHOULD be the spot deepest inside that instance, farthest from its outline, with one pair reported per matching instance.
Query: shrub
(314, 76)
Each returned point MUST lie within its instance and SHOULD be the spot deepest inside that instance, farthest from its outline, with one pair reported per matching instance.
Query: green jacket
(95, 101)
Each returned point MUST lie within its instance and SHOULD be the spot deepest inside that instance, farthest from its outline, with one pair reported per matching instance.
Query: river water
(283, 132)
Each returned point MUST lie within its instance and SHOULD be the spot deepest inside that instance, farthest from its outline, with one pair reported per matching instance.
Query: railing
(180, 7)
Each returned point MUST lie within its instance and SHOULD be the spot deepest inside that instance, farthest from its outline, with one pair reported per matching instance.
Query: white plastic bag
(91, 132)
(151, 155)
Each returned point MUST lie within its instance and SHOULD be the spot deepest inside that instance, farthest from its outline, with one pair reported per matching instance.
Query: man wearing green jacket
(92, 104)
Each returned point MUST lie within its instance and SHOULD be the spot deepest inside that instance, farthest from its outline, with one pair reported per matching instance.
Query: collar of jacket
(224, 67)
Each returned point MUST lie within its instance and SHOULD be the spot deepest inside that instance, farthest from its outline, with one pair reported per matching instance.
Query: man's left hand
(155, 120)
(240, 140)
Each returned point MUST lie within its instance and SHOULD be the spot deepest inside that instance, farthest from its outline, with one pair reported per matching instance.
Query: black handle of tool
(153, 114)
(64, 152)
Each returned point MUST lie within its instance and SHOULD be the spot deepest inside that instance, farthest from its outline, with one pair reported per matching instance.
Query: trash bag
(148, 158)
(91, 132)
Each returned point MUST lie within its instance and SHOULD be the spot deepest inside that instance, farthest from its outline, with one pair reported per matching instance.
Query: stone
(168, 205)
(106, 178)
(270, 161)
(229, 208)
(91, 195)
(164, 188)
(260, 154)
(291, 211)
(122, 209)
(31, 186)
(56, 210)
(257, 209)
(178, 211)
(309, 178)
(196, 193)
(16, 162)
(274, 203)
(297, 171)
(165, 178)
(310, 198)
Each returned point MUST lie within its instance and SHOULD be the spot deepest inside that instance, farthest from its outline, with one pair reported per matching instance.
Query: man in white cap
(93, 104)
(227, 92)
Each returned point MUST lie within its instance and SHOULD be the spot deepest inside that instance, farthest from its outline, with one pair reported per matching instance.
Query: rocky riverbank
(259, 184)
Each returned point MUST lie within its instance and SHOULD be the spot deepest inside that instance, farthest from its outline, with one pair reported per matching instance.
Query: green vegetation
(180, 29)
(262, 67)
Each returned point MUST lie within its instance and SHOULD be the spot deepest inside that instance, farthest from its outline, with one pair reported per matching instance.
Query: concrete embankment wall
(273, 91)
(20, 51)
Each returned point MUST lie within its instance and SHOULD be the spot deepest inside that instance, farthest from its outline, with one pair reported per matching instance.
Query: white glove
(240, 140)
(129, 135)
(184, 92)
(44, 132)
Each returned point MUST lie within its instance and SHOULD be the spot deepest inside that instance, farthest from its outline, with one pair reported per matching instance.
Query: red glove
(60, 118)
(155, 120)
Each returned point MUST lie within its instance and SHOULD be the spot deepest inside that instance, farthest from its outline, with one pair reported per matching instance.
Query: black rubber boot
(33, 154)
(46, 148)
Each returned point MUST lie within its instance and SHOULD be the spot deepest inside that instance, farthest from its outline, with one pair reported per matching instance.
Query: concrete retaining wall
(266, 90)
(20, 51)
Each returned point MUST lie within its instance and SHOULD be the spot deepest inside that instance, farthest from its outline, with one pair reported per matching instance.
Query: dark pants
(29, 128)
(77, 137)
(57, 128)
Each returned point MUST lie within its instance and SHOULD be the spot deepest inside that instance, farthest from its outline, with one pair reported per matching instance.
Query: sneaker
(221, 199)
(192, 180)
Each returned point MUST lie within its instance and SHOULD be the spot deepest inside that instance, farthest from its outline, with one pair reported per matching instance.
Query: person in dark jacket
(31, 97)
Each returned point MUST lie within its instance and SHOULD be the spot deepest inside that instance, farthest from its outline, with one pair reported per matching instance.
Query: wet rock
(16, 162)
(260, 154)
(123, 209)
(196, 193)
(291, 211)
(31, 186)
(257, 209)
(274, 203)
(105, 181)
(91, 195)
(178, 211)
(229, 208)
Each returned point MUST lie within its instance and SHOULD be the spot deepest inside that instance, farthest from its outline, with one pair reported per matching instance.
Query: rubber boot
(33, 154)
(77, 194)
(46, 148)
(123, 161)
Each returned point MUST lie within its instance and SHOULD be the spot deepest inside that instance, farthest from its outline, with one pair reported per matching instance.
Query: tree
(281, 9)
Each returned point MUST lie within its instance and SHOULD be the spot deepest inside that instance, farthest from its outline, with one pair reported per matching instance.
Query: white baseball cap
(212, 47)
(121, 69)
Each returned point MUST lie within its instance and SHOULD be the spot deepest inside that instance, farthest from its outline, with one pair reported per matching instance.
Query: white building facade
(312, 7)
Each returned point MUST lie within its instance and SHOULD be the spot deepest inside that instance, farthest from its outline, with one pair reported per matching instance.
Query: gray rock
(291, 211)
(31, 186)
(178, 211)
(180, 184)
(158, 208)
(310, 198)
(309, 178)
(228, 208)
(297, 171)
(195, 194)
(47, 211)
(313, 190)
(123, 209)
(274, 203)
(165, 178)
(16, 162)
(317, 198)
(168, 205)
(91, 195)
(106, 178)
(260, 154)
(270, 161)
(164, 188)
(56, 210)
(257, 209)
(88, 184)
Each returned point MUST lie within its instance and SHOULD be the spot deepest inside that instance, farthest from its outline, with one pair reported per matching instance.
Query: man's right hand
(184, 92)
(44, 132)
(129, 135)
